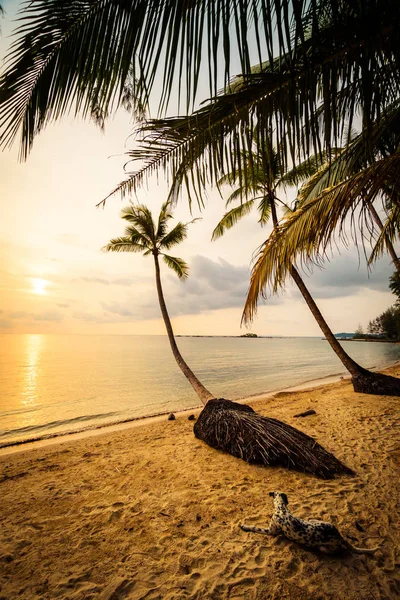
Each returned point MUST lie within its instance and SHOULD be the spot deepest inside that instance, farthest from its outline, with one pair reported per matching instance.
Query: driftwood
(240, 431)
(306, 413)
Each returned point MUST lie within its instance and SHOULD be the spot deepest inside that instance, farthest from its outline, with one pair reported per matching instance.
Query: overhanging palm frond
(74, 53)
(384, 140)
(176, 264)
(390, 233)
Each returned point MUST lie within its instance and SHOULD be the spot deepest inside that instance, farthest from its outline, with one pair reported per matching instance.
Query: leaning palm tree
(340, 196)
(145, 236)
(222, 424)
(264, 178)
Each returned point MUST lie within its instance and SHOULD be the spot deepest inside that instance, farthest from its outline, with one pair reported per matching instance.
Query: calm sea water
(50, 384)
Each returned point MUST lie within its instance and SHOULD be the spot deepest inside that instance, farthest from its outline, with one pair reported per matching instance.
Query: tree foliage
(301, 63)
(387, 325)
(147, 236)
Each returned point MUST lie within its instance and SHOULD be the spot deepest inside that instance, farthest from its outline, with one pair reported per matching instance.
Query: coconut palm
(342, 193)
(222, 424)
(145, 236)
(265, 179)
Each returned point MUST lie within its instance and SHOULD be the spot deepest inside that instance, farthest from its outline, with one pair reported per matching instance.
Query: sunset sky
(55, 279)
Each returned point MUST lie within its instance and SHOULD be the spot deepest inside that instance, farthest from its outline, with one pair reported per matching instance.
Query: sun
(39, 285)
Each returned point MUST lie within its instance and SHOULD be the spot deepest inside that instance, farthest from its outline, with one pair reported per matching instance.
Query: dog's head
(280, 496)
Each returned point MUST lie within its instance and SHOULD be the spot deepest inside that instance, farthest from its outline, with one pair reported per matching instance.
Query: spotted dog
(313, 534)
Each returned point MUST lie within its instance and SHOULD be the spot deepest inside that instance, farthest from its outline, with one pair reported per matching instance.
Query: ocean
(53, 384)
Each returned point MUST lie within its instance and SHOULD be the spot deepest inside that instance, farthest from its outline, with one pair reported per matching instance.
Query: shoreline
(95, 430)
(92, 430)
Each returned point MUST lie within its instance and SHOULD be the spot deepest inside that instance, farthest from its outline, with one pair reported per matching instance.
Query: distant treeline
(387, 325)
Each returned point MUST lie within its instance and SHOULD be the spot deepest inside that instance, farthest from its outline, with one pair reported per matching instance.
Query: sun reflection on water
(33, 352)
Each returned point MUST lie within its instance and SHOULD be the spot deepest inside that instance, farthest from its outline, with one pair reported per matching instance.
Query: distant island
(344, 336)
(249, 335)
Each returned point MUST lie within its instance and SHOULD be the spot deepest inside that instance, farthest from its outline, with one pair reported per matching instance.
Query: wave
(94, 427)
(53, 424)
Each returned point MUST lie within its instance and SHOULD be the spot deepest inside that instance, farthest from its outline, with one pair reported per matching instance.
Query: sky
(55, 278)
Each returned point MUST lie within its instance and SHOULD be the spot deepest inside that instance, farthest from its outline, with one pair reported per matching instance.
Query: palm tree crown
(145, 235)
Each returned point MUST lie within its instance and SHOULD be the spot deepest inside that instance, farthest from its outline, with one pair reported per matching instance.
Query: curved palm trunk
(363, 380)
(198, 387)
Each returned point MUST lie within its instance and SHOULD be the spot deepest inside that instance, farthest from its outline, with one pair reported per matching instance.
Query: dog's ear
(285, 499)
(272, 494)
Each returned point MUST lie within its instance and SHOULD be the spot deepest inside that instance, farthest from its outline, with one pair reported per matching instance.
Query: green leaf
(176, 264)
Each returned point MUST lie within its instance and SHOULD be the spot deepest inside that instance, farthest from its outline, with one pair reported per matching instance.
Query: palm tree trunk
(363, 380)
(198, 387)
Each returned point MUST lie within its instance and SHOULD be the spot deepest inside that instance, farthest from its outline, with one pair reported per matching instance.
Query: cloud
(102, 281)
(47, 316)
(5, 324)
(346, 275)
(41, 316)
(93, 317)
(95, 280)
(212, 285)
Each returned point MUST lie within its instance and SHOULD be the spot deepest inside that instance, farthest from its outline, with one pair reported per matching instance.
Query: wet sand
(151, 512)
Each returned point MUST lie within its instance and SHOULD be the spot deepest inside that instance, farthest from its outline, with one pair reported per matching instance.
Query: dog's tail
(254, 529)
(356, 550)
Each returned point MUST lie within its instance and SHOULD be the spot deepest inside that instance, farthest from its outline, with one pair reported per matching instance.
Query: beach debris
(191, 418)
(306, 413)
(237, 429)
(171, 417)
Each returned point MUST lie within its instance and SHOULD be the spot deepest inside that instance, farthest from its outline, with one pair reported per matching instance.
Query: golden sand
(151, 512)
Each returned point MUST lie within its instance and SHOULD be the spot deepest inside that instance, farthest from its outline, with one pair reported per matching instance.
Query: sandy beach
(150, 512)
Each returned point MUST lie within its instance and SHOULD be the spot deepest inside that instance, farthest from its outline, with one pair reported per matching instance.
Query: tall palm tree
(222, 424)
(265, 178)
(145, 236)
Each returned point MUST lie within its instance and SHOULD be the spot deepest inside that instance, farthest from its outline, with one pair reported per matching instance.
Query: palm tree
(265, 179)
(342, 192)
(145, 236)
(222, 424)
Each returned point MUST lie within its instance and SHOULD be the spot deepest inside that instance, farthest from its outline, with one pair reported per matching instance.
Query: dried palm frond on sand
(240, 431)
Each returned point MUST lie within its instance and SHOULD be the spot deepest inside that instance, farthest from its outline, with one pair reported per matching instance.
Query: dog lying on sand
(313, 534)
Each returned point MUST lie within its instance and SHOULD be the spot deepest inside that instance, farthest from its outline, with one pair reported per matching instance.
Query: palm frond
(298, 240)
(231, 218)
(163, 218)
(389, 233)
(124, 244)
(81, 53)
(264, 210)
(141, 218)
(173, 237)
(177, 264)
